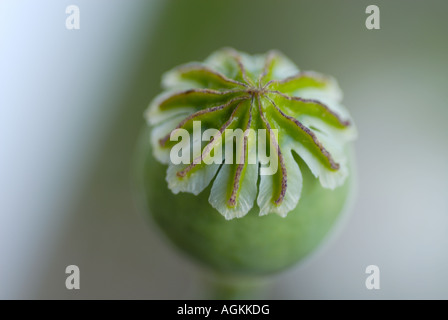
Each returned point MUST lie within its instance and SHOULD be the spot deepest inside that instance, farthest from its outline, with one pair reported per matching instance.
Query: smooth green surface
(251, 245)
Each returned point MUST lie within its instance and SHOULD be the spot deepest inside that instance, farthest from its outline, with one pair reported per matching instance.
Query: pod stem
(231, 287)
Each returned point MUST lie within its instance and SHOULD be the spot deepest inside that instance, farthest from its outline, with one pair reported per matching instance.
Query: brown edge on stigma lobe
(302, 74)
(344, 123)
(164, 140)
(280, 157)
(237, 57)
(197, 67)
(195, 90)
(207, 148)
(267, 64)
(239, 169)
(333, 164)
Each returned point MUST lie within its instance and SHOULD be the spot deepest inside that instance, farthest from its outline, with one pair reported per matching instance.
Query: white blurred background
(71, 104)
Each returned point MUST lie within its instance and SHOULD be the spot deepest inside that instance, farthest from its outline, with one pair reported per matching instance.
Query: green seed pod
(259, 201)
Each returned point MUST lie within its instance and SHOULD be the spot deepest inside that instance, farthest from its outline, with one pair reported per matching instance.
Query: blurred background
(71, 110)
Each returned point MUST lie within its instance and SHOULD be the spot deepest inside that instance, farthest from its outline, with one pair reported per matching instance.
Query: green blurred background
(72, 110)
